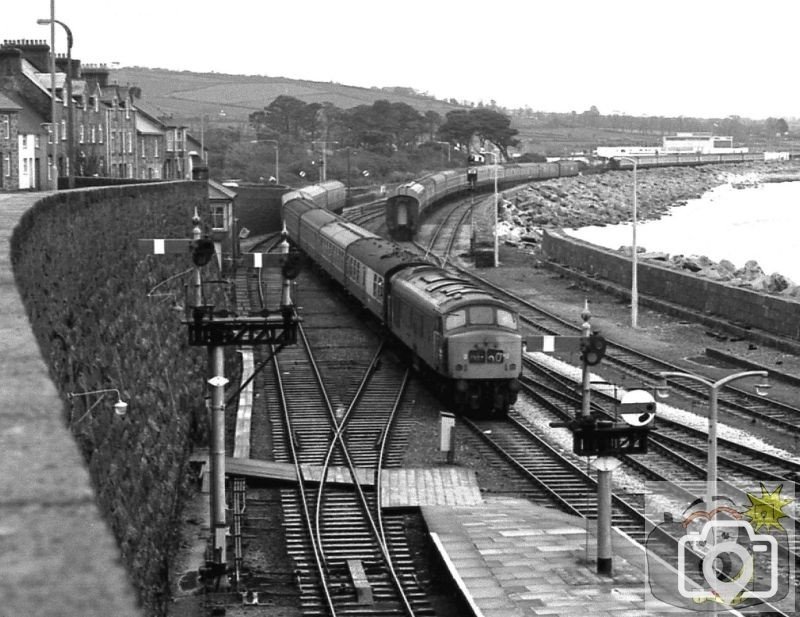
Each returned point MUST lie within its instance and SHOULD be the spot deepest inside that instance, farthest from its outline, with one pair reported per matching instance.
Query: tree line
(390, 141)
(383, 127)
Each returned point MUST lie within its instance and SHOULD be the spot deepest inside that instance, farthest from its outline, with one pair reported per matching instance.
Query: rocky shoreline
(605, 199)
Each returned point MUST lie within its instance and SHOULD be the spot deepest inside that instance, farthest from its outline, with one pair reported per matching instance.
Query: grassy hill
(228, 100)
(186, 95)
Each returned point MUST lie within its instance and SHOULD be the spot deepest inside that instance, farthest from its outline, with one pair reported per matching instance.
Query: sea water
(760, 223)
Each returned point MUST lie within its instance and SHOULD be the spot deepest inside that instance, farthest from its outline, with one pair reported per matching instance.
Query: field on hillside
(186, 95)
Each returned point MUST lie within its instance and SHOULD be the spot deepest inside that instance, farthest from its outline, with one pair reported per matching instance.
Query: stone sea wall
(605, 199)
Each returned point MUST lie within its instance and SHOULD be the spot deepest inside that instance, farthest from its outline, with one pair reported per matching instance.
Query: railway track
(331, 418)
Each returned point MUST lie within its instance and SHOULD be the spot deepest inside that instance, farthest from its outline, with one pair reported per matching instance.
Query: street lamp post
(323, 171)
(635, 254)
(713, 397)
(70, 125)
(495, 156)
(445, 143)
(277, 155)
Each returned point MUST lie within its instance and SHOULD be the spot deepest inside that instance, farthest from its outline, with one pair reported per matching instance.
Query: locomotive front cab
(483, 349)
(483, 342)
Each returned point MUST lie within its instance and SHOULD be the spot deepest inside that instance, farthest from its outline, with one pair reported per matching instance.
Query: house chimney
(37, 52)
(10, 61)
(61, 65)
(95, 74)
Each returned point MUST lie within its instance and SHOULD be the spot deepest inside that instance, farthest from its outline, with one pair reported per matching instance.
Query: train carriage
(330, 195)
(402, 209)
(334, 241)
(371, 262)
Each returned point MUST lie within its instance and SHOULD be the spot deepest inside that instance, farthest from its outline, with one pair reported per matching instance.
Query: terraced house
(113, 133)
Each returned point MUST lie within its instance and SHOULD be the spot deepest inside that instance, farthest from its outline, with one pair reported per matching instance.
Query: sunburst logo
(767, 510)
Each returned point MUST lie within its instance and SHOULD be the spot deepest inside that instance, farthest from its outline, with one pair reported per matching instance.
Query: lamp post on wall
(635, 254)
(70, 126)
(713, 397)
(277, 155)
(120, 407)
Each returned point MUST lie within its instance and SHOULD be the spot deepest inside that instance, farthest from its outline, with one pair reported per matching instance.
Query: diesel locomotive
(466, 340)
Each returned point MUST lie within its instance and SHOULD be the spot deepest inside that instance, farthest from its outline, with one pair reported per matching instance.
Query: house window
(7, 164)
(100, 133)
(155, 148)
(130, 142)
(5, 127)
(93, 133)
(141, 147)
(63, 130)
(49, 133)
(81, 133)
(218, 217)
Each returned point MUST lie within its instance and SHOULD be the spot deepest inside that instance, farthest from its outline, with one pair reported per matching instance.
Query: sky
(703, 58)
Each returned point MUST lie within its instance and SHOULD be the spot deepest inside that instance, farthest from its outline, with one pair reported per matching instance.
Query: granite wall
(104, 318)
(773, 314)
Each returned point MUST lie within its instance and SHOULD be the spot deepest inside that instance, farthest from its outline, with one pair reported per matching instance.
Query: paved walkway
(57, 557)
(511, 558)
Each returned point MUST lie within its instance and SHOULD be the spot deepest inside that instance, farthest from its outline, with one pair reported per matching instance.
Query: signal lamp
(593, 349)
(202, 251)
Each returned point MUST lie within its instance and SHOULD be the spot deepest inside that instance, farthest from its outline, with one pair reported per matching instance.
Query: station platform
(511, 558)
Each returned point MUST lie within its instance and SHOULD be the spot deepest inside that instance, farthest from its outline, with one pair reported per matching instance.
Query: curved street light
(635, 253)
(68, 78)
(662, 391)
(495, 157)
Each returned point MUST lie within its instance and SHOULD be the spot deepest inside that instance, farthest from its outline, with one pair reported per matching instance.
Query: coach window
(377, 287)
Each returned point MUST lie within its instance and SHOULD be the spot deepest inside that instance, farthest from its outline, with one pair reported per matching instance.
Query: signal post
(603, 439)
(216, 329)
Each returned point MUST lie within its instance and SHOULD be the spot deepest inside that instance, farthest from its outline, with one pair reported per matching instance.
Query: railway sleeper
(360, 582)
